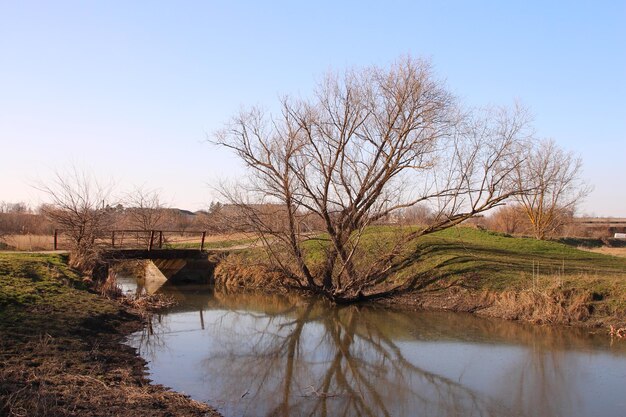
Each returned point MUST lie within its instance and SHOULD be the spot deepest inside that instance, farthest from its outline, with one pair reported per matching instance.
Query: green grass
(494, 261)
(44, 282)
(501, 262)
(29, 278)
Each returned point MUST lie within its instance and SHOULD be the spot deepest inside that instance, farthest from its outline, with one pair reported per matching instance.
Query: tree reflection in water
(320, 361)
(278, 356)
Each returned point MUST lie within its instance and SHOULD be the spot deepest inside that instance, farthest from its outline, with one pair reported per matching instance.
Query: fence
(139, 239)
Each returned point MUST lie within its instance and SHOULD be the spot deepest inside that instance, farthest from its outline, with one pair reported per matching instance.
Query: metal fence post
(151, 240)
(202, 242)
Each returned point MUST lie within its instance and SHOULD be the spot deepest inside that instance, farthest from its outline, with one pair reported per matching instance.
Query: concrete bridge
(166, 265)
(176, 256)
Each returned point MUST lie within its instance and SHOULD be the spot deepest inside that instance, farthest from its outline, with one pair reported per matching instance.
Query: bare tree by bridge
(144, 209)
(369, 144)
(79, 205)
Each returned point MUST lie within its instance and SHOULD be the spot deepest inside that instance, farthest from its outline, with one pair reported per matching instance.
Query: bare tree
(369, 144)
(508, 219)
(144, 209)
(21, 207)
(213, 218)
(78, 205)
(552, 180)
(417, 215)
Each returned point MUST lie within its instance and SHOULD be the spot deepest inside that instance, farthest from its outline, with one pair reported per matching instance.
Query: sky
(131, 91)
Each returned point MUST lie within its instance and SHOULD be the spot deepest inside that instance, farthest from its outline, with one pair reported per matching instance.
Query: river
(260, 355)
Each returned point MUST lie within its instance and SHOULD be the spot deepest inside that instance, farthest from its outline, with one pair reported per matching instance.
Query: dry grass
(617, 332)
(149, 303)
(33, 243)
(225, 237)
(549, 306)
(51, 388)
(145, 304)
(236, 271)
(211, 241)
(109, 287)
(621, 252)
(29, 243)
(561, 299)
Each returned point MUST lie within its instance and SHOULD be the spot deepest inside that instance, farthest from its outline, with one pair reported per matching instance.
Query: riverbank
(465, 269)
(61, 348)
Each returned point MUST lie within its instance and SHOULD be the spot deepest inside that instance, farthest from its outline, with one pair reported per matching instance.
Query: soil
(55, 365)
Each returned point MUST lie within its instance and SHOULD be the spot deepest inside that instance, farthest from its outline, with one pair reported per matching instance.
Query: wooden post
(113, 238)
(202, 242)
(151, 240)
(160, 239)
(56, 233)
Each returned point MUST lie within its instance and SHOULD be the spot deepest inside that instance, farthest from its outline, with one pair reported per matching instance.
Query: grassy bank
(61, 348)
(225, 243)
(518, 278)
(468, 269)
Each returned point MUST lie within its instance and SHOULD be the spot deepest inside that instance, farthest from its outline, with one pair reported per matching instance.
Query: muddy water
(252, 355)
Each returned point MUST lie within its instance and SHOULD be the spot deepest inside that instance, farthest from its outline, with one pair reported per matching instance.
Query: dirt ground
(81, 371)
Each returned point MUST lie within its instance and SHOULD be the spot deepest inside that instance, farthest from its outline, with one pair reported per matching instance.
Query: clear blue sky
(131, 89)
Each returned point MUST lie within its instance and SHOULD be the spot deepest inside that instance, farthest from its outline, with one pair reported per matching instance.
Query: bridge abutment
(175, 266)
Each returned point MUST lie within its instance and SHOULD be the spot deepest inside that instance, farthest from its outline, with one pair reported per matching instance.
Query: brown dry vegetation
(36, 243)
(28, 243)
(244, 272)
(549, 305)
(621, 252)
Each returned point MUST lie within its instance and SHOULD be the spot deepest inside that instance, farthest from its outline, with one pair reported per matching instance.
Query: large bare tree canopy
(367, 145)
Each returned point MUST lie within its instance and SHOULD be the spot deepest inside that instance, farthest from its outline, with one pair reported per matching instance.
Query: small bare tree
(144, 209)
(551, 178)
(145, 212)
(213, 219)
(368, 145)
(416, 215)
(78, 205)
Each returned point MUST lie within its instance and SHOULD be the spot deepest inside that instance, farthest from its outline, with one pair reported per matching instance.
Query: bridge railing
(139, 239)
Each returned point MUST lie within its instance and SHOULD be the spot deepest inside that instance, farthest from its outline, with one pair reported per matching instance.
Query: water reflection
(284, 356)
